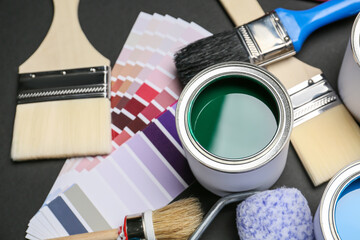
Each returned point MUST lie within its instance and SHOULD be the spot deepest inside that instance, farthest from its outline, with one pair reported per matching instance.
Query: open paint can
(337, 216)
(234, 121)
(349, 76)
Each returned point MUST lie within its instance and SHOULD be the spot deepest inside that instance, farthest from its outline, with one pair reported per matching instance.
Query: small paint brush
(275, 36)
(175, 221)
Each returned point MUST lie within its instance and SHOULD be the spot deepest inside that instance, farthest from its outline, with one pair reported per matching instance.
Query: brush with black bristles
(176, 221)
(276, 35)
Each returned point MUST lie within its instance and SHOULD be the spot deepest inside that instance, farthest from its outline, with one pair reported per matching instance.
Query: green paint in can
(233, 117)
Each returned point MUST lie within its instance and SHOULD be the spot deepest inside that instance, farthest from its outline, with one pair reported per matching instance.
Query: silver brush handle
(219, 205)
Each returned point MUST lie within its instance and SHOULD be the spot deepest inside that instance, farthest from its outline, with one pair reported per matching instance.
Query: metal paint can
(338, 212)
(349, 76)
(223, 118)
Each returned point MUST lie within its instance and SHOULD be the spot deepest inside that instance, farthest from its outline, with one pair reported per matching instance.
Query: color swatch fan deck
(147, 168)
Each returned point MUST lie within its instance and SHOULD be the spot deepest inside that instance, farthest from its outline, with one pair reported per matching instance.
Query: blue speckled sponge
(275, 214)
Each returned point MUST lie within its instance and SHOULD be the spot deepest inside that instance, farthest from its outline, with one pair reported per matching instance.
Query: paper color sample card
(121, 74)
(146, 172)
(147, 168)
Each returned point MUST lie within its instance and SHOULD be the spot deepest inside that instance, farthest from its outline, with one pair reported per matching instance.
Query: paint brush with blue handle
(275, 36)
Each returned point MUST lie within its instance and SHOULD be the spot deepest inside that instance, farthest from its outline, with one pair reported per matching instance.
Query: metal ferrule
(135, 227)
(311, 98)
(64, 85)
(266, 40)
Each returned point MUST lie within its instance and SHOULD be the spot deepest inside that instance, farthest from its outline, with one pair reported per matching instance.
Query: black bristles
(221, 47)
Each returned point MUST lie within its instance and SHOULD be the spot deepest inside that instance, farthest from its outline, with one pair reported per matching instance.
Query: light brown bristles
(177, 220)
(63, 106)
(327, 143)
(60, 129)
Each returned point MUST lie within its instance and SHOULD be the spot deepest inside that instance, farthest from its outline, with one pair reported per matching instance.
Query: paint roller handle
(102, 235)
(300, 24)
(215, 209)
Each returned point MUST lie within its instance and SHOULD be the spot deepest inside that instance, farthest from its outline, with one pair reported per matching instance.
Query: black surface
(24, 24)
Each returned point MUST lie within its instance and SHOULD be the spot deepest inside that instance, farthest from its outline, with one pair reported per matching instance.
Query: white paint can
(337, 216)
(234, 120)
(349, 76)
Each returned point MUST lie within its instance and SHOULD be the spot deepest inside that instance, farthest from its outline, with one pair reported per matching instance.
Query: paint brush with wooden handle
(176, 221)
(325, 136)
(63, 105)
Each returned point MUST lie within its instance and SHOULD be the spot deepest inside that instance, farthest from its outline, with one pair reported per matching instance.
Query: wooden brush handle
(102, 235)
(290, 71)
(65, 45)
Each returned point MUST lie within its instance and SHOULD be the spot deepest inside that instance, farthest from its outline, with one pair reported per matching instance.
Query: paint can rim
(270, 151)
(355, 40)
(330, 196)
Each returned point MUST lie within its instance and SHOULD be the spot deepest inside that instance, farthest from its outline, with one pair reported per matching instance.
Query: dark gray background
(24, 24)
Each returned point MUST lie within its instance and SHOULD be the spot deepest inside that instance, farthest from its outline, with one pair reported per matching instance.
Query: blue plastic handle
(300, 24)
